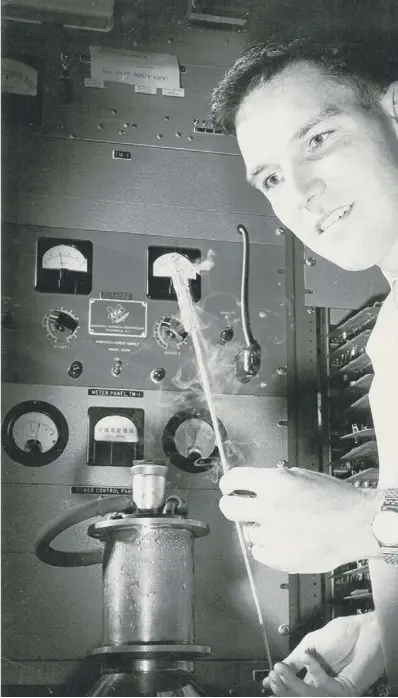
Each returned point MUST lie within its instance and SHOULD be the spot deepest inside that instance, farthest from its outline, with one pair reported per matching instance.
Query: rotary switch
(170, 332)
(61, 326)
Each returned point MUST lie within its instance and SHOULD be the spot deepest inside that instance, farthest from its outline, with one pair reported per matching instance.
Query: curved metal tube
(248, 361)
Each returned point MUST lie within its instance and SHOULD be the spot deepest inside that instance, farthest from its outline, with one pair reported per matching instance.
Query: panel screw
(282, 423)
(178, 134)
(279, 231)
(126, 125)
(310, 261)
(310, 311)
(204, 122)
(113, 111)
(196, 121)
(133, 125)
(284, 629)
(190, 138)
(281, 370)
(160, 136)
(282, 464)
(122, 133)
(100, 127)
(167, 118)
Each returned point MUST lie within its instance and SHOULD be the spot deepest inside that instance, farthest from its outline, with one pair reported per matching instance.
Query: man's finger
(278, 687)
(316, 670)
(238, 508)
(293, 683)
(242, 478)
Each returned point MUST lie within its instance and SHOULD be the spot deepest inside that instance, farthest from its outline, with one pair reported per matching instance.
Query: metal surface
(147, 581)
(329, 286)
(120, 267)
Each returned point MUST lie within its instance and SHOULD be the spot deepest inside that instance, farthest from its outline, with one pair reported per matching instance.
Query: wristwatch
(385, 526)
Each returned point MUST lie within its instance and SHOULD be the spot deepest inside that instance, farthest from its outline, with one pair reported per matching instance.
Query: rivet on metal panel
(170, 41)
(280, 231)
(113, 111)
(160, 135)
(178, 134)
(281, 271)
(310, 261)
(308, 291)
(100, 127)
(284, 585)
(72, 136)
(167, 118)
(284, 629)
(196, 121)
(263, 385)
(262, 313)
(126, 124)
(190, 138)
(133, 125)
(281, 370)
(310, 311)
(282, 423)
(122, 133)
(204, 122)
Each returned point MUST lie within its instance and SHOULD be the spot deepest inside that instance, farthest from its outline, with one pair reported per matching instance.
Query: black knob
(75, 369)
(226, 335)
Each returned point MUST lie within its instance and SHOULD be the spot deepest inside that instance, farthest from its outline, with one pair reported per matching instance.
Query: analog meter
(34, 433)
(189, 441)
(64, 257)
(64, 266)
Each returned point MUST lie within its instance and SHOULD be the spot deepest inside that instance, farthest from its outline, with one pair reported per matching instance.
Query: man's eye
(318, 140)
(272, 181)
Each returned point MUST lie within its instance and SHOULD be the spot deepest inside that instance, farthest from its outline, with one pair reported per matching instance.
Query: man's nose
(308, 190)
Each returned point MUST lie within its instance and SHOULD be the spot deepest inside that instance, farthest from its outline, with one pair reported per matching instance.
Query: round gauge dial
(64, 257)
(194, 437)
(170, 332)
(189, 441)
(34, 433)
(61, 326)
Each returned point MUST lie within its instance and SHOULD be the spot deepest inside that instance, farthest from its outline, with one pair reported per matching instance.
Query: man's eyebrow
(317, 119)
(301, 133)
(251, 176)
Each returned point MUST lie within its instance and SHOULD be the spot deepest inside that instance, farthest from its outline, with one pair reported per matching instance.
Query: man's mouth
(331, 218)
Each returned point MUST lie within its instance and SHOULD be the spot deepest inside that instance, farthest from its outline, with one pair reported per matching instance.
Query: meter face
(64, 266)
(64, 257)
(34, 433)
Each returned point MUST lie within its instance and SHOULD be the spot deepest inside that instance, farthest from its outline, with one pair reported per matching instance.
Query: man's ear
(389, 101)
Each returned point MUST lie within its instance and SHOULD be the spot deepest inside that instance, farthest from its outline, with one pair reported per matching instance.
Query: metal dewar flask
(148, 590)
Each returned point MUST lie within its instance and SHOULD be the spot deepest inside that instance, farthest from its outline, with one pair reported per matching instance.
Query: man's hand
(306, 522)
(344, 658)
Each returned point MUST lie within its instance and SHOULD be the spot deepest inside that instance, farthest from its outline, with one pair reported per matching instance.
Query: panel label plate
(115, 392)
(87, 489)
(117, 318)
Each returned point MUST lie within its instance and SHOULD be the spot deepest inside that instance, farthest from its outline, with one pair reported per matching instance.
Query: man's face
(328, 166)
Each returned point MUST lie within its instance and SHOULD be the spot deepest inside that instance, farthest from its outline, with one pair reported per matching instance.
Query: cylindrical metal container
(148, 583)
(148, 573)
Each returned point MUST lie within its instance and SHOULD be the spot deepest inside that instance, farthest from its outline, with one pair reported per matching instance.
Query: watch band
(390, 502)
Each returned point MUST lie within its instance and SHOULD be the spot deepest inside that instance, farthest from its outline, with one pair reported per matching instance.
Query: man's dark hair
(369, 63)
